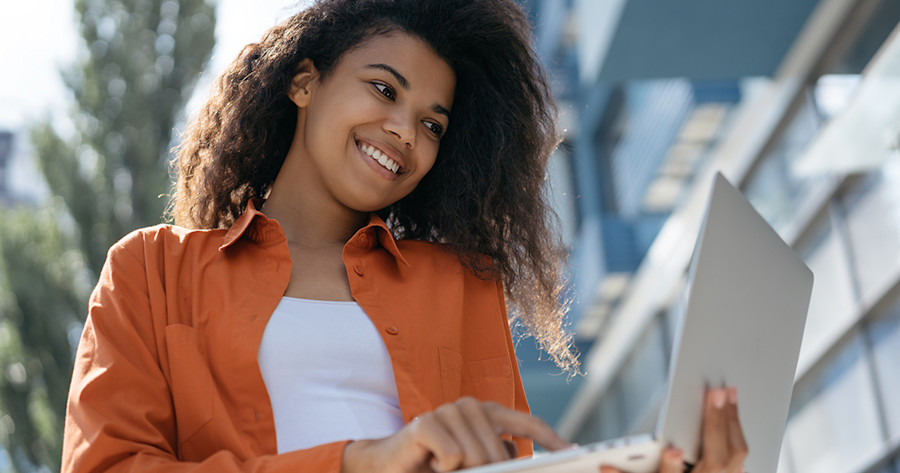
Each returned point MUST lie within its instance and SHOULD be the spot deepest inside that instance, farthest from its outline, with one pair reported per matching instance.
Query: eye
(385, 90)
(435, 128)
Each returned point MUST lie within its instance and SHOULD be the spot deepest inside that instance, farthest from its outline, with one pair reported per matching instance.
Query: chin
(369, 205)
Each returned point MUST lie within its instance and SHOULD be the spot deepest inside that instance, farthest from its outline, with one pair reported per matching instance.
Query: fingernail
(674, 457)
(718, 398)
(732, 395)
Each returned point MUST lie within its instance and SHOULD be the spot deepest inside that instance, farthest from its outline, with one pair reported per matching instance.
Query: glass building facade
(636, 166)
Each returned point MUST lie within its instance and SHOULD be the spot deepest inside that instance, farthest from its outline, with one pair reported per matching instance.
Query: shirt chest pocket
(489, 379)
(190, 381)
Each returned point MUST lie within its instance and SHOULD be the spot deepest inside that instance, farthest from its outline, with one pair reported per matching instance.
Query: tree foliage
(140, 63)
(108, 175)
(42, 283)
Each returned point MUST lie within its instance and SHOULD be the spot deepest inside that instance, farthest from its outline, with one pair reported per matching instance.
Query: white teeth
(380, 157)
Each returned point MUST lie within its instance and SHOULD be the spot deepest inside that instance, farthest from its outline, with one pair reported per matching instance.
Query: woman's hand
(723, 448)
(457, 435)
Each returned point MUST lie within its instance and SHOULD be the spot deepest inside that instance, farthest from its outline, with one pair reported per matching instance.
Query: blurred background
(797, 102)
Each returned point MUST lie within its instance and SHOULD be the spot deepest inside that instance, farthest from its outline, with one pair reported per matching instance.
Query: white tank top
(328, 374)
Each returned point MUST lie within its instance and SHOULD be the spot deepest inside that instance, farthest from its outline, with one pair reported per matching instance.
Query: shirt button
(392, 330)
(358, 269)
(362, 240)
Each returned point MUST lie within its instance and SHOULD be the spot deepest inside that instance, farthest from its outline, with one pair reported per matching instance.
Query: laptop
(743, 322)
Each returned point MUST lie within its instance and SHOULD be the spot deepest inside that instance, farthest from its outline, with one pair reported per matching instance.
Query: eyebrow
(397, 75)
(436, 108)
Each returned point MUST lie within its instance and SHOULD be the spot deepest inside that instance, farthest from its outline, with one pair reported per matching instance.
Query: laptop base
(634, 454)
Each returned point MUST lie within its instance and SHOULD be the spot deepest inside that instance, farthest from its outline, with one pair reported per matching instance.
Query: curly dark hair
(485, 194)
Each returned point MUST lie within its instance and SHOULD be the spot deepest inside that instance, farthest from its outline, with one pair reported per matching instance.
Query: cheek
(322, 120)
(425, 166)
(429, 157)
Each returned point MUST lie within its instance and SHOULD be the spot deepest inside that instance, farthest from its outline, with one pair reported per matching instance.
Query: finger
(456, 422)
(523, 425)
(715, 429)
(608, 469)
(487, 436)
(736, 442)
(512, 451)
(429, 432)
(672, 461)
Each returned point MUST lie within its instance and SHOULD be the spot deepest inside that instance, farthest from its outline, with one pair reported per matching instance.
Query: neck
(308, 219)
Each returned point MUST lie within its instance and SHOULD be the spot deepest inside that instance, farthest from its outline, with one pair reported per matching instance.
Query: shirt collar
(261, 229)
(240, 226)
(377, 225)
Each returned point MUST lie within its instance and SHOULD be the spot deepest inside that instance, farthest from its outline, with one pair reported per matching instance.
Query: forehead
(412, 57)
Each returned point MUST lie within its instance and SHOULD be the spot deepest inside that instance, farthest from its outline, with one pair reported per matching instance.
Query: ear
(305, 77)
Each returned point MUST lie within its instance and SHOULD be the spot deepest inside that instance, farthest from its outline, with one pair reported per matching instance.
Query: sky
(39, 37)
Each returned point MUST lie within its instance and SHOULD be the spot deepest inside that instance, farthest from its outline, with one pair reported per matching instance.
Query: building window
(631, 402)
(832, 304)
(872, 211)
(889, 467)
(834, 420)
(776, 189)
(606, 421)
(643, 377)
(884, 334)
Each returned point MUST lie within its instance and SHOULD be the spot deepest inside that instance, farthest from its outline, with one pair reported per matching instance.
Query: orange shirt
(166, 374)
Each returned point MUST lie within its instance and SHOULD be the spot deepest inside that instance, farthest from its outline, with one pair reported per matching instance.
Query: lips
(380, 157)
(383, 155)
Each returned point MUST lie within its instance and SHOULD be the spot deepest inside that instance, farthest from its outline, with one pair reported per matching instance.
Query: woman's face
(369, 131)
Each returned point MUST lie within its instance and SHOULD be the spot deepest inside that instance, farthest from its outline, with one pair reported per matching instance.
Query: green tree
(141, 61)
(137, 67)
(43, 281)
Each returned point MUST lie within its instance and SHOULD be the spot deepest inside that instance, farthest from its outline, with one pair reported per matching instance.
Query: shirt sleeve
(120, 414)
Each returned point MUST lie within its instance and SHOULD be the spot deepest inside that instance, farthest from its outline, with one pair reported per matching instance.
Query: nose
(402, 126)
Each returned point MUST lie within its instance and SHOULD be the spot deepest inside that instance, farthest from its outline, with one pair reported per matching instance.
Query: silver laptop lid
(743, 324)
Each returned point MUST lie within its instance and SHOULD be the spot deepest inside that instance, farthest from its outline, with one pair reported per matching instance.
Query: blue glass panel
(884, 332)
(834, 421)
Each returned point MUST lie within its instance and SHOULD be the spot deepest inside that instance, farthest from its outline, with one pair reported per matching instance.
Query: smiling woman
(356, 204)
(484, 197)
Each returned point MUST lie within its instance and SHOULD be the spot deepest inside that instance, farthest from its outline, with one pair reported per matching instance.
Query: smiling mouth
(380, 158)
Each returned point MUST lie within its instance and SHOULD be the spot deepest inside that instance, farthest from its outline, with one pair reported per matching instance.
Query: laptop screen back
(745, 313)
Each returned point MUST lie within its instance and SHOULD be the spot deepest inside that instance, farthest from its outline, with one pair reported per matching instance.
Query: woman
(356, 202)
